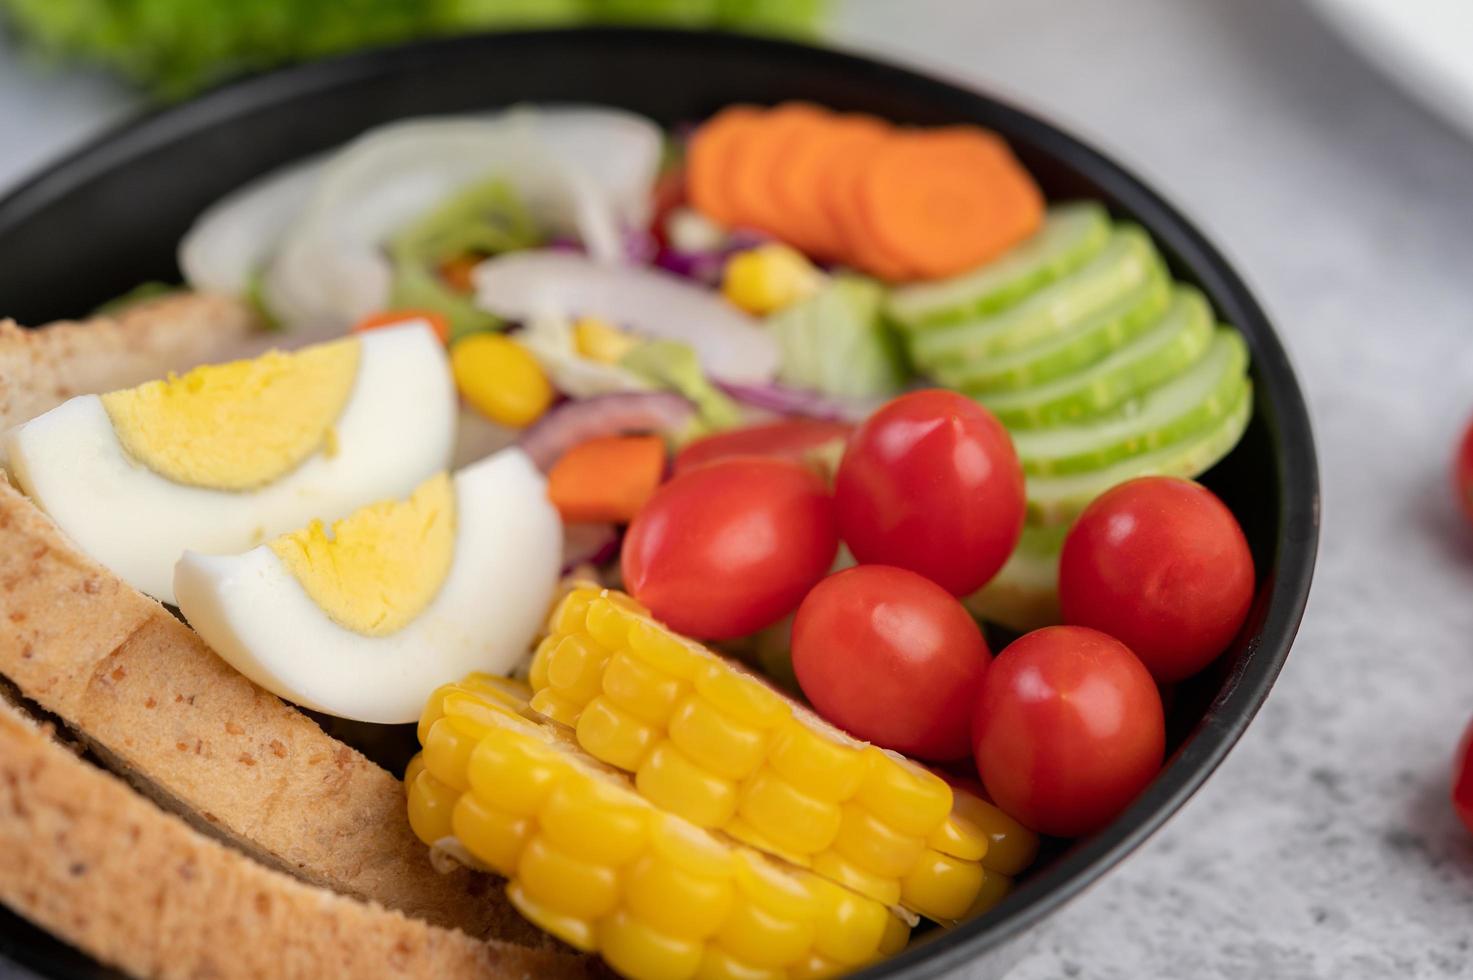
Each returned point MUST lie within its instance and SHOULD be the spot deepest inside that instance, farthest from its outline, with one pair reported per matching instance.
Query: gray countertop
(1325, 846)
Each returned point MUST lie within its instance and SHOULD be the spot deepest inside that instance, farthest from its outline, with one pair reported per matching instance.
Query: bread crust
(88, 859)
(166, 712)
(41, 368)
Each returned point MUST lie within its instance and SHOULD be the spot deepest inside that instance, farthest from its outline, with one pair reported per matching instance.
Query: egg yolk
(241, 425)
(378, 568)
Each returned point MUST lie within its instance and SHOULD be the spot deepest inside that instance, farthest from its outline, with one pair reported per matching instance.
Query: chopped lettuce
(673, 365)
(483, 219)
(838, 342)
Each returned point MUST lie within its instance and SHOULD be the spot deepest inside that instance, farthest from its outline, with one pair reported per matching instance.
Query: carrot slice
(799, 184)
(708, 164)
(606, 479)
(840, 195)
(945, 201)
(757, 162)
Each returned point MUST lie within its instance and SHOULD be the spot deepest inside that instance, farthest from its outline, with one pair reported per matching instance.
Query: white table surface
(1325, 846)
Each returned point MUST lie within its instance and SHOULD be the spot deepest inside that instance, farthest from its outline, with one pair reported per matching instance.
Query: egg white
(254, 613)
(396, 429)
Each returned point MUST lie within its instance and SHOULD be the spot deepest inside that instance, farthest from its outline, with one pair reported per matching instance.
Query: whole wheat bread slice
(85, 857)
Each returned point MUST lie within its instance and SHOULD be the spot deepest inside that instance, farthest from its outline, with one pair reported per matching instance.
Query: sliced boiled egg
(230, 455)
(365, 617)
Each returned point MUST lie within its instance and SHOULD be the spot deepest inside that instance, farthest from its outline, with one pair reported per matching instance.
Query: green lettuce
(838, 342)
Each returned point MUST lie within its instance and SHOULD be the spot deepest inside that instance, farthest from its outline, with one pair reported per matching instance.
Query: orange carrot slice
(606, 479)
(944, 201)
(757, 162)
(713, 150)
(799, 184)
(858, 244)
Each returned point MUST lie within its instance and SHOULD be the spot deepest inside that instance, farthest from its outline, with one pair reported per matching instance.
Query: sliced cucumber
(1024, 595)
(1070, 236)
(1117, 324)
(1127, 260)
(1166, 414)
(1171, 346)
(1057, 500)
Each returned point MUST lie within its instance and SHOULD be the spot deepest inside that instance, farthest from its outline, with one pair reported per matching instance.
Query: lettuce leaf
(838, 342)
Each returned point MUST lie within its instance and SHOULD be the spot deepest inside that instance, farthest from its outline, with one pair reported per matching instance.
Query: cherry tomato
(1463, 472)
(891, 657)
(789, 439)
(1161, 565)
(1068, 729)
(728, 548)
(931, 483)
(1463, 778)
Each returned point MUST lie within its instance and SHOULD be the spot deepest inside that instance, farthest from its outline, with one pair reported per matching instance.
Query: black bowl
(108, 217)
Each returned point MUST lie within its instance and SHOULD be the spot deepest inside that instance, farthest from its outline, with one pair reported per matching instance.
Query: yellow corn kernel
(765, 279)
(574, 668)
(608, 624)
(414, 768)
(741, 696)
(831, 865)
(718, 964)
(995, 888)
(849, 927)
(689, 848)
(570, 615)
(714, 740)
(1011, 847)
(739, 829)
(561, 882)
(576, 932)
(896, 936)
(447, 753)
(771, 887)
(433, 712)
(504, 692)
(958, 837)
(825, 768)
(599, 340)
(430, 803)
(656, 647)
(473, 716)
(612, 735)
(640, 689)
(905, 796)
(555, 707)
(537, 673)
(500, 379)
(493, 836)
(635, 949)
(786, 815)
(670, 780)
(675, 901)
(942, 887)
(517, 773)
(592, 822)
(762, 938)
(815, 967)
(874, 845)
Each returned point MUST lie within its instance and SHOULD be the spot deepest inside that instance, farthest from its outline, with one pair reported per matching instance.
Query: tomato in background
(1068, 729)
(892, 658)
(930, 483)
(726, 549)
(1463, 779)
(1463, 472)
(788, 439)
(1161, 565)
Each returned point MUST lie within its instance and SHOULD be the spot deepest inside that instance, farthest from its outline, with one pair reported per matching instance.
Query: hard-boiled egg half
(230, 455)
(365, 617)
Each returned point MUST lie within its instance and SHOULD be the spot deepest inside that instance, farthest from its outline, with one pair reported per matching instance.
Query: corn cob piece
(592, 862)
(715, 745)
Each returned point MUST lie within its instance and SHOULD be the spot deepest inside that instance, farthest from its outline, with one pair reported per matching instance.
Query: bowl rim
(1242, 692)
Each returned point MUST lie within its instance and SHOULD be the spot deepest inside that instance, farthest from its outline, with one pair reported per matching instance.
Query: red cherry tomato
(1068, 729)
(1463, 778)
(931, 483)
(1463, 472)
(1161, 565)
(891, 657)
(728, 548)
(789, 439)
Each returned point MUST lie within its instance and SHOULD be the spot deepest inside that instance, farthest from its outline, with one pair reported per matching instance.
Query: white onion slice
(648, 302)
(620, 150)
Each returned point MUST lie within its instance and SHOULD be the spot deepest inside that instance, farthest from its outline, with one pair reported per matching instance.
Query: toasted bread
(41, 368)
(151, 698)
(84, 856)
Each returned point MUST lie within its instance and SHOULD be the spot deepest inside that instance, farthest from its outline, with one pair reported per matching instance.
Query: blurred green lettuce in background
(173, 48)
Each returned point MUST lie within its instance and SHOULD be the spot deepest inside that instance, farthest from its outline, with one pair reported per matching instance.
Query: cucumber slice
(1057, 500)
(1172, 345)
(1114, 326)
(1024, 594)
(1070, 236)
(1125, 262)
(1164, 415)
